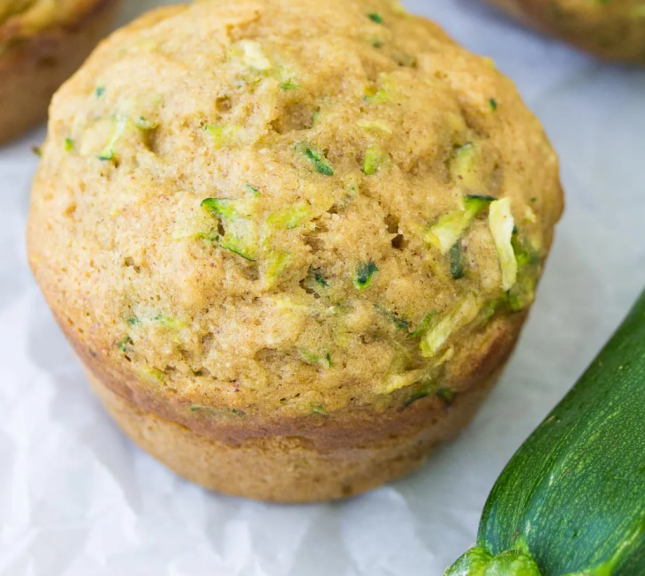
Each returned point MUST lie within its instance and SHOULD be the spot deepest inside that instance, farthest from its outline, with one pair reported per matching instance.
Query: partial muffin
(42, 42)
(612, 29)
(293, 253)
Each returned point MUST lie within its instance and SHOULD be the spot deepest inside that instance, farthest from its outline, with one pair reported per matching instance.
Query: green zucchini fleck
(207, 409)
(493, 104)
(168, 321)
(319, 409)
(372, 160)
(324, 361)
(240, 232)
(365, 275)
(445, 233)
(416, 396)
(465, 167)
(220, 206)
(69, 144)
(252, 190)
(222, 134)
(320, 279)
(276, 263)
(236, 249)
(210, 237)
(37, 150)
(502, 225)
(374, 125)
(524, 255)
(319, 161)
(123, 344)
(463, 158)
(290, 216)
(448, 395)
(456, 263)
(400, 323)
(142, 124)
(522, 293)
(417, 393)
(119, 125)
(229, 208)
(463, 313)
(423, 327)
(493, 306)
(375, 17)
(99, 91)
(151, 374)
(379, 96)
(289, 85)
(481, 199)
(159, 318)
(314, 281)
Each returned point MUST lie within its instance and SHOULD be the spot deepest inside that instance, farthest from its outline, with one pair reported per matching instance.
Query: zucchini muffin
(42, 42)
(293, 253)
(612, 29)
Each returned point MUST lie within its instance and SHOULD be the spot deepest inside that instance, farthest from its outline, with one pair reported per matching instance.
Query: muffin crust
(256, 226)
(41, 45)
(614, 29)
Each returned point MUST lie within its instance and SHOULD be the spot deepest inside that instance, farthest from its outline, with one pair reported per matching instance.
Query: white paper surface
(78, 499)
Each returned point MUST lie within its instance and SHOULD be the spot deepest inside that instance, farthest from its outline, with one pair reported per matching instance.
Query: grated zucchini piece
(501, 224)
(437, 336)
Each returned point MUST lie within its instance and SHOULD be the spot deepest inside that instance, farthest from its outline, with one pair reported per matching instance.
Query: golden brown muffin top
(289, 206)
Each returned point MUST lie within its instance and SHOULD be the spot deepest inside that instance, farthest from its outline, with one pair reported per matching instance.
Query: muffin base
(285, 468)
(30, 75)
(588, 35)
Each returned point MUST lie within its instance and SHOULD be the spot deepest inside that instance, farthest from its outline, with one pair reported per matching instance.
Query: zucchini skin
(571, 501)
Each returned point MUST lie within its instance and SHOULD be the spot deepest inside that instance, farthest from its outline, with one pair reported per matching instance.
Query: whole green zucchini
(571, 502)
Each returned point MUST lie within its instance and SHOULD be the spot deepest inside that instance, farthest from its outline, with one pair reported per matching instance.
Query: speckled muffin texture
(293, 253)
(612, 29)
(42, 43)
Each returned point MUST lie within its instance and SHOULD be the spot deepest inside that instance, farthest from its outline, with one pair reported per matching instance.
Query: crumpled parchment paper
(78, 499)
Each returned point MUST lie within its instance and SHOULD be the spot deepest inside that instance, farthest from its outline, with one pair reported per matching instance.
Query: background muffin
(293, 253)
(613, 29)
(42, 42)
